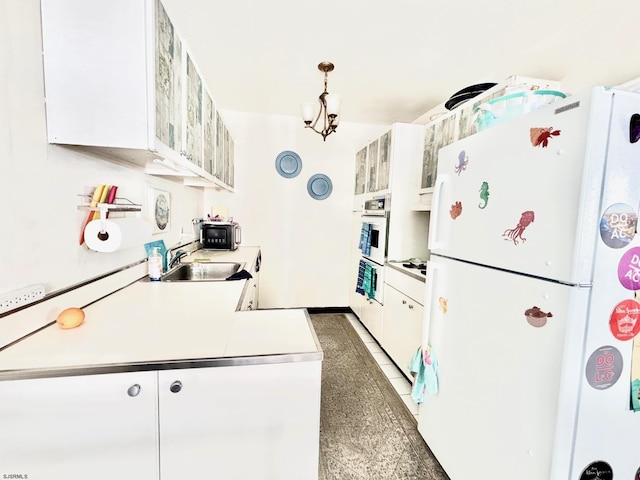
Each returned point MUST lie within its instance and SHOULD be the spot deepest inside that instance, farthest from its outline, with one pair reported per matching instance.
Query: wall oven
(373, 248)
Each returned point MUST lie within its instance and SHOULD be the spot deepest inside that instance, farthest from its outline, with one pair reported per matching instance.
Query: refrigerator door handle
(434, 244)
(433, 269)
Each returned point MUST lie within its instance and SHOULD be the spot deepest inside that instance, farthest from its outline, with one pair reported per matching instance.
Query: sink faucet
(172, 260)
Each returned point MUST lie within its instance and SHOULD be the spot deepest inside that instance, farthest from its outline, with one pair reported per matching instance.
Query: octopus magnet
(618, 225)
(604, 367)
(629, 269)
(463, 161)
(515, 234)
(624, 322)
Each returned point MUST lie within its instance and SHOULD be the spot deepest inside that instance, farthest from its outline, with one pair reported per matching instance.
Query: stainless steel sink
(202, 272)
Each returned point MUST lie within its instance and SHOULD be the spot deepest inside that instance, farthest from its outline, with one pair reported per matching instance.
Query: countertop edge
(161, 365)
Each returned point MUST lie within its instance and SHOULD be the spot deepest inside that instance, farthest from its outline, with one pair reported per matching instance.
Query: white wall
(305, 242)
(40, 183)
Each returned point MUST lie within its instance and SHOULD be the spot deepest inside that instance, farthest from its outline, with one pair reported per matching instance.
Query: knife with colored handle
(103, 199)
(111, 196)
(97, 193)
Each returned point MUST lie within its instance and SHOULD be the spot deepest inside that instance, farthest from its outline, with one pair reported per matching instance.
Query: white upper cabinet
(120, 81)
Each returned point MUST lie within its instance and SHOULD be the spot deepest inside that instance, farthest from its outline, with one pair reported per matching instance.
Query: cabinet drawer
(411, 287)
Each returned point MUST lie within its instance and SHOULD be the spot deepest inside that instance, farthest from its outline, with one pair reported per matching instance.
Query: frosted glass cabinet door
(100, 427)
(194, 114)
(168, 81)
(240, 422)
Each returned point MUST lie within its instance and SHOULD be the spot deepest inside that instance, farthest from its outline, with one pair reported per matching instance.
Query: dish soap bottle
(155, 265)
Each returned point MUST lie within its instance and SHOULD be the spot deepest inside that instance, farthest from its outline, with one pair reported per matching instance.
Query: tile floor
(397, 379)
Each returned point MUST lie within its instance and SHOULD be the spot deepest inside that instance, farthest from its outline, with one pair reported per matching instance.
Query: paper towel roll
(119, 233)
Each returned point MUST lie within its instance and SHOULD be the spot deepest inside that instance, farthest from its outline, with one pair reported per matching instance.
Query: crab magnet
(540, 136)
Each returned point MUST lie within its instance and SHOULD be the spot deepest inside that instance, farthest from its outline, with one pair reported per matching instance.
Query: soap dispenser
(155, 265)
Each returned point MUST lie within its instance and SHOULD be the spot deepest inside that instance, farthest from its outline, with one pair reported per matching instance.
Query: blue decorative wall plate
(288, 164)
(319, 186)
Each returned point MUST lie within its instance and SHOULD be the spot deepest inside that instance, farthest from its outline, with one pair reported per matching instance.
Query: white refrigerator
(530, 302)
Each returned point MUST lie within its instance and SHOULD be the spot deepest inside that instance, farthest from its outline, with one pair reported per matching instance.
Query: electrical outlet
(21, 297)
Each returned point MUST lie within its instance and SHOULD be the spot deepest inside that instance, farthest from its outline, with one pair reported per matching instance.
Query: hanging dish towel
(365, 239)
(424, 367)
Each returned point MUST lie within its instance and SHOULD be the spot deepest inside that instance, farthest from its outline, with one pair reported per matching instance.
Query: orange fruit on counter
(70, 317)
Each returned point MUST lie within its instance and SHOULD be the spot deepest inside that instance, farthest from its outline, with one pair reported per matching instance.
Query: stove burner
(421, 266)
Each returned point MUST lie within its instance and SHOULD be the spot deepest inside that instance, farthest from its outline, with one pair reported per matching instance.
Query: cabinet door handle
(410, 306)
(176, 386)
(134, 390)
(404, 302)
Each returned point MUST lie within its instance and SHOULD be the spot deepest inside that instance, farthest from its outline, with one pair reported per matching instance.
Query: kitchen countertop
(155, 325)
(412, 272)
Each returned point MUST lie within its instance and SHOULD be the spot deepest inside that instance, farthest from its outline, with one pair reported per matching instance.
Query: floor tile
(402, 386)
(391, 371)
(366, 337)
(381, 358)
(373, 347)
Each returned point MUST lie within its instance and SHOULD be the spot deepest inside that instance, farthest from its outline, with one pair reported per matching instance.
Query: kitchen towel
(118, 234)
(424, 367)
(365, 239)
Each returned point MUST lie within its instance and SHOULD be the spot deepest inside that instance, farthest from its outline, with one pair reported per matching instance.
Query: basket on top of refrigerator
(512, 105)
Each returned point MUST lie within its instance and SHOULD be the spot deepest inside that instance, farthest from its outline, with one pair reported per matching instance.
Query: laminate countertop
(155, 325)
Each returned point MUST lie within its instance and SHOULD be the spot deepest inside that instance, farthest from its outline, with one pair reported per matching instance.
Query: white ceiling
(396, 60)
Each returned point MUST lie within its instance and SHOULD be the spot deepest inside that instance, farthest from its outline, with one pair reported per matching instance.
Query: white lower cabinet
(241, 422)
(402, 326)
(74, 428)
(371, 317)
(236, 422)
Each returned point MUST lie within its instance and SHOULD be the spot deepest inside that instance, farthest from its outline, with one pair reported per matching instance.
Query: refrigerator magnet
(629, 269)
(623, 321)
(463, 161)
(443, 303)
(536, 317)
(540, 136)
(618, 225)
(597, 471)
(515, 234)
(456, 210)
(604, 367)
(484, 195)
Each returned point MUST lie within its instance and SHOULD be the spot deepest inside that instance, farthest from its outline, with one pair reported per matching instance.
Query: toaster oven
(220, 235)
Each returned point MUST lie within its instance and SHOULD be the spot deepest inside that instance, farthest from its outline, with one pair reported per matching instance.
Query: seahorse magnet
(515, 234)
(484, 194)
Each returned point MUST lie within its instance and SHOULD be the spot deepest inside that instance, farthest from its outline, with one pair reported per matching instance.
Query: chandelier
(329, 108)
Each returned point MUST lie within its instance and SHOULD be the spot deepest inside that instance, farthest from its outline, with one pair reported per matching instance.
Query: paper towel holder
(103, 208)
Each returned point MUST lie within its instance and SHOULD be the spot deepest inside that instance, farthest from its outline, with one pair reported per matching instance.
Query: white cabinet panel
(240, 422)
(402, 327)
(96, 426)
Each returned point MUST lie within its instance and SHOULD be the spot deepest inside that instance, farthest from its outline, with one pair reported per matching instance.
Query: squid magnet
(515, 234)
